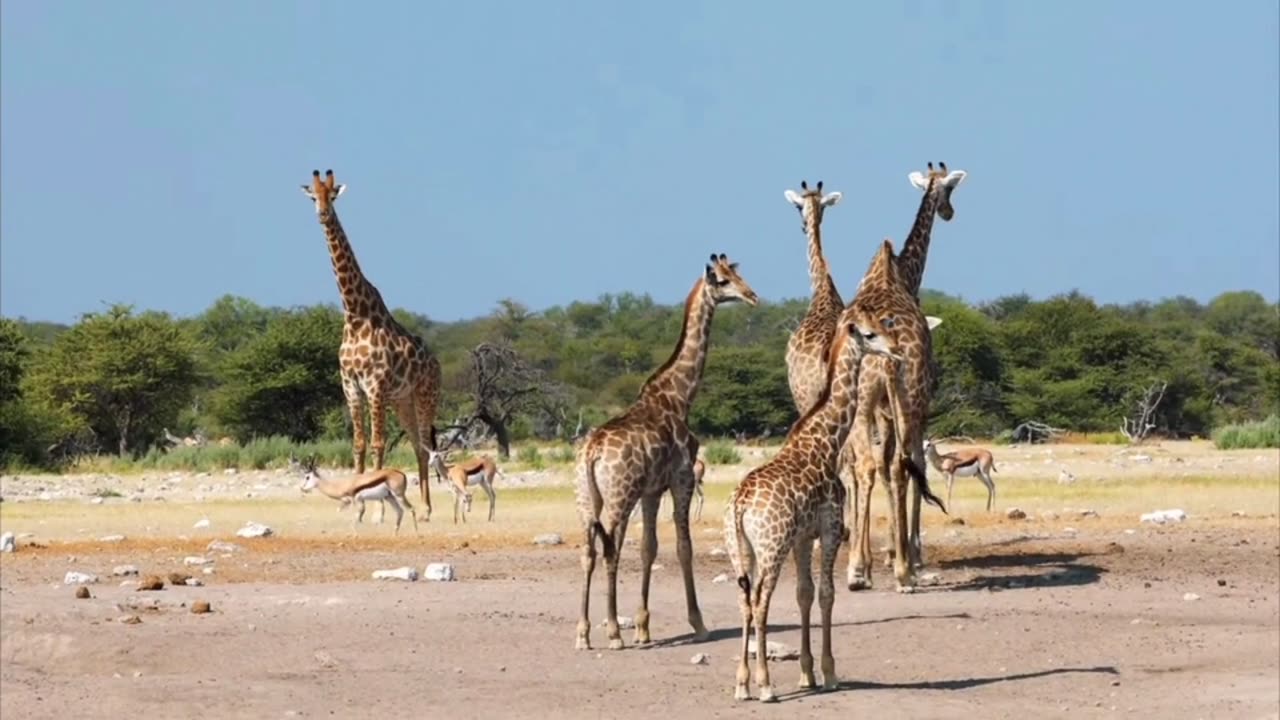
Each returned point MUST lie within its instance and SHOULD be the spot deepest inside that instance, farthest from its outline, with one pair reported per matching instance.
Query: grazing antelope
(476, 471)
(385, 484)
(965, 463)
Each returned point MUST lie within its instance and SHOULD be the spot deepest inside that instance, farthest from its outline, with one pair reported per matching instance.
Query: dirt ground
(1065, 613)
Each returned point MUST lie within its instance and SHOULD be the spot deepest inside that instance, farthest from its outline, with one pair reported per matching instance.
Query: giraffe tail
(922, 481)
(597, 528)
(744, 551)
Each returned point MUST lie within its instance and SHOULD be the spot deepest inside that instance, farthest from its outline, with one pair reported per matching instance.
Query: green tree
(743, 389)
(285, 381)
(124, 375)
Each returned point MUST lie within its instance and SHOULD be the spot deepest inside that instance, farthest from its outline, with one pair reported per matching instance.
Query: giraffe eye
(888, 323)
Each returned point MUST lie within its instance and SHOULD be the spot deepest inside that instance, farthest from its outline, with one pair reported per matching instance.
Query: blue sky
(555, 151)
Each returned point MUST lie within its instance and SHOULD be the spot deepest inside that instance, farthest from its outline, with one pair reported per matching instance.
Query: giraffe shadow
(952, 685)
(1043, 570)
(735, 632)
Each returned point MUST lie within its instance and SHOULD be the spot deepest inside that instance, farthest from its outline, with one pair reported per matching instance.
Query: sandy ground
(1065, 613)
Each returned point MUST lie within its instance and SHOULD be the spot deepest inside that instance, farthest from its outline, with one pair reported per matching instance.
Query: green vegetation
(1248, 435)
(256, 383)
(722, 453)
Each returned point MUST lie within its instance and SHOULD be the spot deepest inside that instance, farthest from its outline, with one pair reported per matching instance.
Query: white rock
(439, 572)
(929, 578)
(775, 650)
(95, 501)
(1190, 596)
(719, 552)
(201, 524)
(79, 578)
(721, 578)
(401, 573)
(191, 560)
(222, 546)
(46, 497)
(548, 539)
(8, 543)
(624, 622)
(254, 530)
(111, 538)
(193, 582)
(208, 571)
(1141, 458)
(124, 570)
(699, 659)
(230, 471)
(1160, 517)
(1130, 531)
(1069, 531)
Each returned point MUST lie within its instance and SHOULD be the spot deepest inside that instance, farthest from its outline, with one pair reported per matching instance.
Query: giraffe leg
(742, 684)
(803, 553)
(863, 472)
(830, 544)
(648, 552)
(425, 398)
(377, 425)
(760, 618)
(901, 527)
(355, 406)
(611, 629)
(916, 546)
(681, 495)
(588, 560)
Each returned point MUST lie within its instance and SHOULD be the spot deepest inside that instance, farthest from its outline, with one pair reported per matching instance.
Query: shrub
(530, 456)
(1249, 435)
(722, 453)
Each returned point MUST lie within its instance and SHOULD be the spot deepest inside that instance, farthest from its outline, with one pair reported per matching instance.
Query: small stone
(201, 524)
(548, 539)
(111, 538)
(95, 501)
(718, 552)
(254, 530)
(124, 570)
(1222, 583)
(131, 620)
(440, 572)
(1088, 513)
(930, 578)
(8, 543)
(656, 566)
(221, 546)
(79, 578)
(200, 607)
(721, 578)
(1190, 596)
(207, 571)
(1015, 514)
(194, 582)
(177, 578)
(191, 560)
(151, 582)
(82, 593)
(624, 622)
(699, 659)
(405, 573)
(1160, 517)
(956, 521)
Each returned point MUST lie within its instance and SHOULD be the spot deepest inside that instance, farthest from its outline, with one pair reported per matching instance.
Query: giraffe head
(811, 202)
(725, 284)
(883, 313)
(323, 192)
(941, 182)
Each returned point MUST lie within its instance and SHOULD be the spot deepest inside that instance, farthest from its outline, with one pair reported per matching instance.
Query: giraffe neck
(676, 383)
(359, 297)
(916, 249)
(820, 282)
(831, 419)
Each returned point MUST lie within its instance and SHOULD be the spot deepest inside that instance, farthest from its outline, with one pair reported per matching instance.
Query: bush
(722, 453)
(530, 456)
(563, 455)
(1249, 435)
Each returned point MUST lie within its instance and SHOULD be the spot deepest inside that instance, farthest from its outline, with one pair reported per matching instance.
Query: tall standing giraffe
(808, 346)
(646, 451)
(937, 185)
(783, 505)
(893, 397)
(379, 360)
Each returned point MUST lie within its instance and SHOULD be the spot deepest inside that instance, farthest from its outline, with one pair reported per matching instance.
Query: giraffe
(937, 186)
(646, 451)
(808, 345)
(795, 498)
(379, 360)
(893, 399)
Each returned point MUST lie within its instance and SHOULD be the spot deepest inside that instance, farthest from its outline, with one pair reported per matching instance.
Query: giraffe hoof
(582, 644)
(807, 682)
(859, 583)
(766, 694)
(741, 693)
(830, 682)
(616, 644)
(906, 589)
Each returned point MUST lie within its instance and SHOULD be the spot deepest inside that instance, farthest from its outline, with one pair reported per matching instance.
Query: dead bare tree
(1032, 432)
(502, 386)
(1137, 426)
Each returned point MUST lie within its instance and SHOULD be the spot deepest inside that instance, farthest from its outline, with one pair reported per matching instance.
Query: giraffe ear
(954, 178)
(306, 190)
(339, 190)
(918, 179)
(832, 199)
(792, 197)
(932, 321)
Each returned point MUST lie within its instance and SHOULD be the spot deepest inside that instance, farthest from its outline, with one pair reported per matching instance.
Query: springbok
(385, 484)
(479, 470)
(965, 463)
